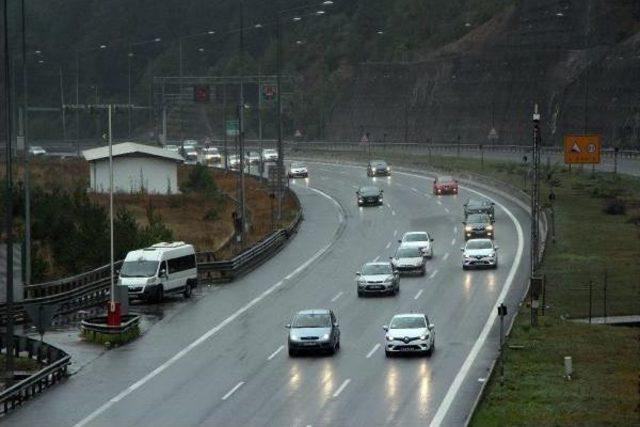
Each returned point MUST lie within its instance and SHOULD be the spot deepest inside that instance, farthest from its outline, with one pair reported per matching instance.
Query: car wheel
(423, 271)
(494, 266)
(388, 353)
(431, 349)
(332, 350)
(360, 294)
(292, 352)
(464, 267)
(187, 290)
(160, 294)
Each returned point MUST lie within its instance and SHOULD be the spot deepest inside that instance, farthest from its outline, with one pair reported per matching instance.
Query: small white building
(136, 168)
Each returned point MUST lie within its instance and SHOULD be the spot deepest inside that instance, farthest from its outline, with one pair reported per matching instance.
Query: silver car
(409, 259)
(376, 278)
(419, 239)
(270, 154)
(313, 330)
(479, 253)
(409, 333)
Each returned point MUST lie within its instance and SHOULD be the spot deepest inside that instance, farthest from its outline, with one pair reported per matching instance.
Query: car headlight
(388, 280)
(389, 338)
(294, 338)
(489, 227)
(360, 199)
(380, 198)
(325, 337)
(424, 337)
(468, 228)
(388, 168)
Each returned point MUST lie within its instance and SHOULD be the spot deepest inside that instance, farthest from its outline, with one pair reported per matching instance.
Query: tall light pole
(25, 136)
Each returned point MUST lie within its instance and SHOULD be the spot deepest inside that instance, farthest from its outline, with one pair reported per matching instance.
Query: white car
(234, 161)
(172, 148)
(409, 259)
(479, 253)
(298, 170)
(211, 156)
(409, 333)
(190, 154)
(419, 239)
(270, 154)
(163, 268)
(252, 157)
(36, 150)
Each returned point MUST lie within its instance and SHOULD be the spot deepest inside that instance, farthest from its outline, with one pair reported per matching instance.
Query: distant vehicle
(163, 268)
(172, 148)
(478, 226)
(191, 142)
(409, 259)
(377, 277)
(445, 185)
(409, 333)
(234, 161)
(313, 330)
(420, 240)
(479, 253)
(298, 170)
(252, 157)
(378, 168)
(190, 153)
(369, 196)
(270, 155)
(36, 150)
(211, 156)
(474, 206)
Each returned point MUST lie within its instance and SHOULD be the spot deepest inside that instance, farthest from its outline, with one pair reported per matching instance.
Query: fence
(55, 369)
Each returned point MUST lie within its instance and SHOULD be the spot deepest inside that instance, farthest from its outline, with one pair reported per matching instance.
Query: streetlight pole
(129, 59)
(279, 114)
(77, 102)
(27, 169)
(8, 203)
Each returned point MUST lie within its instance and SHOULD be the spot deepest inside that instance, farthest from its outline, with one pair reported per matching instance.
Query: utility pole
(77, 102)
(224, 127)
(113, 315)
(535, 214)
(180, 100)
(129, 59)
(25, 136)
(8, 202)
(241, 127)
(279, 112)
(64, 116)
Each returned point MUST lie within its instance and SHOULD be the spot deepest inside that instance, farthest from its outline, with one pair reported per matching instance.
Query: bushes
(200, 181)
(614, 206)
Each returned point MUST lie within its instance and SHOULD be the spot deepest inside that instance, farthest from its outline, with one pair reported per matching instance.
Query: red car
(445, 185)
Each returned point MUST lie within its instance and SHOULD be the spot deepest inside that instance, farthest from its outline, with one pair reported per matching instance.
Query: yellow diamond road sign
(582, 148)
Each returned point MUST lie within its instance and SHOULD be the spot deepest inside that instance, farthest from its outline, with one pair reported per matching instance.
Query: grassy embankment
(590, 243)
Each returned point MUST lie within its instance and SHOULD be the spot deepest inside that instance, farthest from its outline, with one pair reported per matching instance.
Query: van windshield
(139, 268)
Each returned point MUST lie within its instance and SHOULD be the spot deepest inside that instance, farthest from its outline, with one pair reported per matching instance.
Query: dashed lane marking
(275, 352)
(444, 258)
(233, 390)
(342, 387)
(334, 299)
(418, 294)
(432, 275)
(373, 350)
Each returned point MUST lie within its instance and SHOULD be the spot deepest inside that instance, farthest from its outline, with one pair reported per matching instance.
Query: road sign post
(582, 149)
(502, 312)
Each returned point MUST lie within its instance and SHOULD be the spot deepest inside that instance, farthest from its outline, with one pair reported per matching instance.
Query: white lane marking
(373, 350)
(482, 380)
(439, 202)
(395, 233)
(447, 210)
(455, 229)
(453, 241)
(393, 213)
(334, 299)
(418, 294)
(444, 258)
(433, 274)
(211, 332)
(415, 189)
(444, 406)
(355, 187)
(389, 205)
(376, 258)
(388, 245)
(342, 387)
(233, 390)
(275, 352)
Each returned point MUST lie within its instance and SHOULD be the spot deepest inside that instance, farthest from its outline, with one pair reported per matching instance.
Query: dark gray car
(478, 226)
(475, 206)
(313, 330)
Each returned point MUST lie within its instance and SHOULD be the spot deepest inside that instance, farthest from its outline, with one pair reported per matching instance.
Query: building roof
(130, 148)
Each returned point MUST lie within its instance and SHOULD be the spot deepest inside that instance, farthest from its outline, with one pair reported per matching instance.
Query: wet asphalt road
(220, 359)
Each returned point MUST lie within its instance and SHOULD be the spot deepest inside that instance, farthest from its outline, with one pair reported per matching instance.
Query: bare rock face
(578, 59)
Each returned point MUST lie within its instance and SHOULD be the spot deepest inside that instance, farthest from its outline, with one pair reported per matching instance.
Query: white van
(162, 268)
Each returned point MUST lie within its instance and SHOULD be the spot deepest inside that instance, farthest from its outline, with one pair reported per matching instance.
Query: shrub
(614, 206)
(200, 181)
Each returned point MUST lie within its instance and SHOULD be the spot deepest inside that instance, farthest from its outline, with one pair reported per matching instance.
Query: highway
(220, 359)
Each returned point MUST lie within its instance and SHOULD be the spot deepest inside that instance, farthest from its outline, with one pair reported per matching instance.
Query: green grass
(20, 364)
(588, 245)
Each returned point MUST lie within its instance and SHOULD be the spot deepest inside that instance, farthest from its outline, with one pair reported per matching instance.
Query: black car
(478, 226)
(313, 330)
(378, 168)
(369, 196)
(476, 206)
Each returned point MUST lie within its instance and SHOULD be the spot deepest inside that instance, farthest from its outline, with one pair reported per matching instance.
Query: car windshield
(477, 218)
(415, 237)
(445, 179)
(380, 164)
(407, 322)
(308, 320)
(139, 268)
(369, 191)
(297, 165)
(211, 150)
(408, 252)
(479, 244)
(373, 269)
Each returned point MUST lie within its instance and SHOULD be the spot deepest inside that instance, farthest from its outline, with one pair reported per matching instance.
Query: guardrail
(92, 288)
(55, 370)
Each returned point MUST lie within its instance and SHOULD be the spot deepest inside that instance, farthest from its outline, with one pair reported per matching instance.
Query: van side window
(182, 263)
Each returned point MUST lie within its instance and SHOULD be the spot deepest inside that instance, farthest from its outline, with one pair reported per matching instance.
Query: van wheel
(160, 294)
(187, 290)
